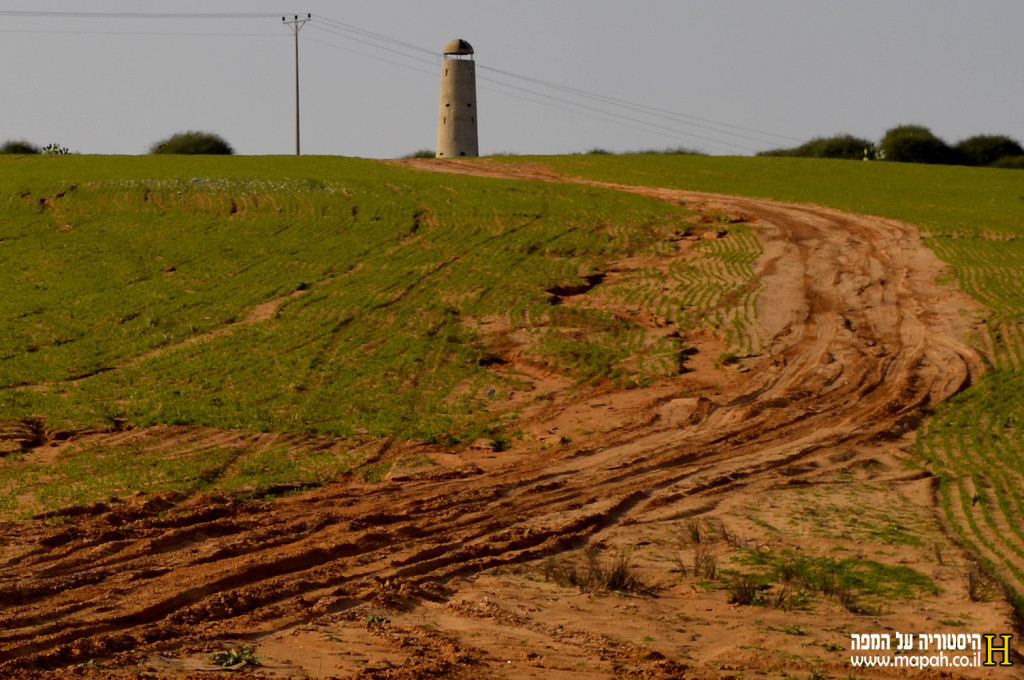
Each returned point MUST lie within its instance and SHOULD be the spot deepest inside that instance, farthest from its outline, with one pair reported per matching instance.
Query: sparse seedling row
(976, 446)
(716, 288)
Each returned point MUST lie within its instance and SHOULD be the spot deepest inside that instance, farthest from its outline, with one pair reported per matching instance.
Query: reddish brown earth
(450, 571)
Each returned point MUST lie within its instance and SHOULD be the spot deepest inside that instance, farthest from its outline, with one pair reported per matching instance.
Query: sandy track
(861, 341)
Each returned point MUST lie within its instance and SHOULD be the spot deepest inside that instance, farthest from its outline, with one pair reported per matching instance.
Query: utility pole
(296, 25)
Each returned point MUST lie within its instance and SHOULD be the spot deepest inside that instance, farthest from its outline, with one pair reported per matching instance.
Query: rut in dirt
(856, 352)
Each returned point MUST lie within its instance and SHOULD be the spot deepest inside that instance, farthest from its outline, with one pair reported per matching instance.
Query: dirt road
(439, 575)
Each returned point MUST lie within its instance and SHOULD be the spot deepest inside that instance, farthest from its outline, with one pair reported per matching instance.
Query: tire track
(852, 355)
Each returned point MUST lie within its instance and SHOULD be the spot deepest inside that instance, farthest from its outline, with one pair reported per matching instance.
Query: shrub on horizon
(987, 149)
(193, 143)
(421, 153)
(670, 151)
(839, 146)
(19, 146)
(915, 144)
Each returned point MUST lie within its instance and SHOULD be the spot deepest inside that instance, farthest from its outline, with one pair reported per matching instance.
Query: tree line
(913, 144)
(186, 143)
(902, 144)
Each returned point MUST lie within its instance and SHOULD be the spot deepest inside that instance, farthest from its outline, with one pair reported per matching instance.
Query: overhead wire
(563, 99)
(218, 34)
(348, 28)
(605, 108)
(620, 123)
(648, 126)
(633, 106)
(509, 89)
(321, 29)
(137, 15)
(375, 58)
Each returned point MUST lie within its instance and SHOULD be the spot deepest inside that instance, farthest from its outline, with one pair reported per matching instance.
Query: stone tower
(456, 123)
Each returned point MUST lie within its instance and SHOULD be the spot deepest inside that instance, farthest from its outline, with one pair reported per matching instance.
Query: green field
(130, 283)
(946, 200)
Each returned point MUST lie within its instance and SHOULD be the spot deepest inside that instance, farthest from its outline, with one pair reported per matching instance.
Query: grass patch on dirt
(709, 556)
(593, 573)
(862, 586)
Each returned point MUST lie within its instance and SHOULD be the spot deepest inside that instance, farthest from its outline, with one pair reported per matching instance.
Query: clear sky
(727, 77)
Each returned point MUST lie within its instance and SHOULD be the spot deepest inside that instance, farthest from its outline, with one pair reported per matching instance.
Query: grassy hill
(346, 298)
(316, 296)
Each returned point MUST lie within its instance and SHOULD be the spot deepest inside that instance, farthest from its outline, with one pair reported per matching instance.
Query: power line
(620, 123)
(139, 15)
(435, 60)
(348, 28)
(565, 95)
(335, 46)
(577, 107)
(614, 110)
(622, 117)
(574, 108)
(171, 34)
(651, 110)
